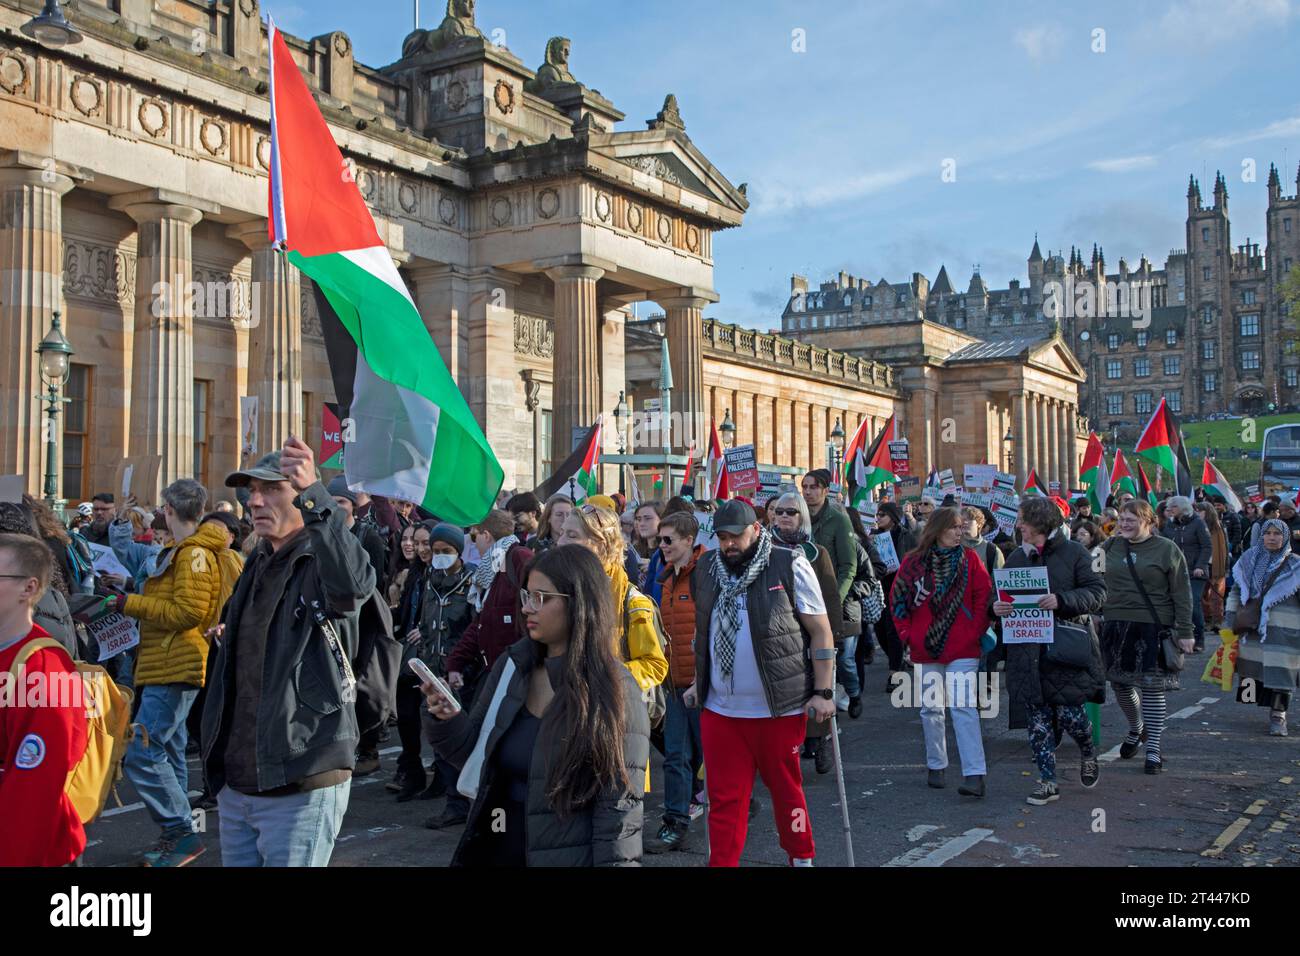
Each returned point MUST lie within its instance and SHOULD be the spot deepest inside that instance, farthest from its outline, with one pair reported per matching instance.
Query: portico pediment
(1055, 355)
(669, 155)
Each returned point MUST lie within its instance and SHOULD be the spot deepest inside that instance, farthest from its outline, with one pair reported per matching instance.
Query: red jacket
(499, 624)
(972, 618)
(677, 606)
(38, 747)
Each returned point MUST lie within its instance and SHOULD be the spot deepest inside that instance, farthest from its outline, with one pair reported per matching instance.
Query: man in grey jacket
(1187, 530)
(280, 726)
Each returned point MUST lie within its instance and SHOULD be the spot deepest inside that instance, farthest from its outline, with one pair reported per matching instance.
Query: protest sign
(1054, 488)
(979, 476)
(139, 476)
(114, 633)
(705, 536)
(1022, 587)
(899, 462)
(1004, 481)
(248, 418)
(1252, 492)
(742, 467)
(885, 548)
(106, 562)
(946, 480)
(933, 494)
(769, 487)
(908, 489)
(978, 499)
(331, 442)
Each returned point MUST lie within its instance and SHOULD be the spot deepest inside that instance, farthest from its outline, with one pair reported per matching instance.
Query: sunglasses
(666, 541)
(786, 512)
(533, 600)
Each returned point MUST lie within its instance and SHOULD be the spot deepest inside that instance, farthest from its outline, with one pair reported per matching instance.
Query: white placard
(105, 561)
(1022, 587)
(706, 536)
(885, 548)
(127, 474)
(946, 480)
(1004, 481)
(114, 633)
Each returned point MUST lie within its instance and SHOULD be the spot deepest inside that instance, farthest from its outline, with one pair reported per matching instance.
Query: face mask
(441, 562)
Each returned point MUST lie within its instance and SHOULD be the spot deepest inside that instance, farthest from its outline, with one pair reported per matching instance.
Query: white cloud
(1208, 23)
(1040, 42)
(777, 196)
(1123, 164)
(1275, 130)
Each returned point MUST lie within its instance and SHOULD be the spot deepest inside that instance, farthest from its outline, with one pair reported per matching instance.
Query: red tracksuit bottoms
(736, 747)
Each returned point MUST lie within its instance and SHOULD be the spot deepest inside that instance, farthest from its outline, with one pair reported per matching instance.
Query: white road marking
(917, 832)
(137, 806)
(1209, 700)
(1110, 755)
(948, 850)
(1186, 712)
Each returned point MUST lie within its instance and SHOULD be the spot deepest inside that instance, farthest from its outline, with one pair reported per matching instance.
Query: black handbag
(1172, 653)
(1071, 645)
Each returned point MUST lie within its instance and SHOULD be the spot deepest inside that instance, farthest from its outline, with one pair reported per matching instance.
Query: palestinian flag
(1121, 478)
(658, 484)
(415, 436)
(688, 487)
(576, 475)
(1162, 444)
(716, 470)
(1144, 489)
(1093, 458)
(872, 465)
(1034, 485)
(1214, 483)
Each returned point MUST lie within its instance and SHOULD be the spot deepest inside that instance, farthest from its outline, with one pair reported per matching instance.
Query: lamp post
(620, 416)
(1010, 441)
(54, 352)
(728, 430)
(666, 411)
(837, 450)
(51, 27)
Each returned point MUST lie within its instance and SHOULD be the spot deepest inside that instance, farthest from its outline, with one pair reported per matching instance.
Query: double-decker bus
(1279, 470)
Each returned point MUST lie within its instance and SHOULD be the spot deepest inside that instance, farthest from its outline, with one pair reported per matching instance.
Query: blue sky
(844, 144)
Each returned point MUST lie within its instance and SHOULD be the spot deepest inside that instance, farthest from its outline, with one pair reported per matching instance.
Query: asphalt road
(1228, 798)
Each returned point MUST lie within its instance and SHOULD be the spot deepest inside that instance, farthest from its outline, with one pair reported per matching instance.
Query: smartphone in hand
(429, 677)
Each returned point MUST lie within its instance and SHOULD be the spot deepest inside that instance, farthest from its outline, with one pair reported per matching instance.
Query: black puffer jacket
(1191, 535)
(605, 833)
(1081, 591)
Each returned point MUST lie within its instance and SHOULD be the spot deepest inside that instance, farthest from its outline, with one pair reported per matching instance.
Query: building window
(1207, 314)
(76, 434)
(1142, 339)
(1211, 382)
(1173, 365)
(1174, 400)
(1286, 226)
(1114, 368)
(1142, 367)
(202, 424)
(545, 439)
(1112, 341)
(1171, 336)
(1207, 350)
(1250, 359)
(1205, 273)
(1248, 297)
(866, 301)
(1142, 403)
(1205, 234)
(1114, 404)
(1290, 376)
(1250, 324)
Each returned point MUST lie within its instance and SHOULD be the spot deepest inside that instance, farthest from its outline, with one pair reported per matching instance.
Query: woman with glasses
(554, 753)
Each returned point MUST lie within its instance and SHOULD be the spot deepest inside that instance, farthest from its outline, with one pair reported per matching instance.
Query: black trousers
(409, 703)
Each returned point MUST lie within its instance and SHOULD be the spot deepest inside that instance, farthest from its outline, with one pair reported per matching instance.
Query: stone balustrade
(780, 351)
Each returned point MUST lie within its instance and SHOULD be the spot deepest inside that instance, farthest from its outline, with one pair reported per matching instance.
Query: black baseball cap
(267, 468)
(733, 517)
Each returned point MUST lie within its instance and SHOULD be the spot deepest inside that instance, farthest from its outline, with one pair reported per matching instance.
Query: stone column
(613, 379)
(495, 390)
(1043, 464)
(1020, 429)
(162, 360)
(1031, 436)
(577, 354)
(686, 356)
(1072, 441)
(31, 277)
(1054, 442)
(442, 295)
(274, 339)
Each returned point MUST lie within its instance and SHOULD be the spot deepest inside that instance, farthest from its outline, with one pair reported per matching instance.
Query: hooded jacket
(181, 600)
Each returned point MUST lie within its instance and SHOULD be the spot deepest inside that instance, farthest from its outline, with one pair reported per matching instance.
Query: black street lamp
(837, 449)
(620, 416)
(728, 430)
(51, 27)
(1009, 440)
(54, 352)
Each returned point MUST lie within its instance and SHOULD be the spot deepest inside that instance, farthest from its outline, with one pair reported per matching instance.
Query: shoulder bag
(1172, 653)
(1250, 612)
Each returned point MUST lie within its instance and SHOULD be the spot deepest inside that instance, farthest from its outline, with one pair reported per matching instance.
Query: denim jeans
(294, 830)
(158, 771)
(1198, 611)
(846, 666)
(957, 679)
(683, 753)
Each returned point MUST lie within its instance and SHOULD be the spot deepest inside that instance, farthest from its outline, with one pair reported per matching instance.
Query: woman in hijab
(1264, 610)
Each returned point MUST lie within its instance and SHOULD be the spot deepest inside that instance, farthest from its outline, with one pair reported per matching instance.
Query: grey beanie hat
(448, 534)
(338, 488)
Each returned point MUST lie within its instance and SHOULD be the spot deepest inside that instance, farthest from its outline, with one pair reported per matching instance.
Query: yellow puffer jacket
(645, 655)
(179, 601)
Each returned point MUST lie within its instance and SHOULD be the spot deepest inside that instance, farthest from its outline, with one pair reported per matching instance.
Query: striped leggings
(1151, 718)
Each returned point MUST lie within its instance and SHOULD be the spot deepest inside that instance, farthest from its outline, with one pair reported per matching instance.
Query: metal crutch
(839, 780)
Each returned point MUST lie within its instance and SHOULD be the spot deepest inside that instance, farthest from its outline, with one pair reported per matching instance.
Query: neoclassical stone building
(135, 163)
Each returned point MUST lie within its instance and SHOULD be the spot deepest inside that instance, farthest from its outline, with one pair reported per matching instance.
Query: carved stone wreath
(87, 96)
(548, 203)
(665, 229)
(407, 197)
(342, 45)
(504, 96)
(634, 218)
(13, 73)
(602, 207)
(248, 7)
(502, 211)
(152, 115)
(213, 137)
(692, 239)
(263, 152)
(447, 211)
(367, 182)
(457, 96)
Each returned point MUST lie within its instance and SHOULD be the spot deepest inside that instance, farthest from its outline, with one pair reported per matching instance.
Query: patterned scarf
(938, 578)
(493, 562)
(731, 591)
(1258, 563)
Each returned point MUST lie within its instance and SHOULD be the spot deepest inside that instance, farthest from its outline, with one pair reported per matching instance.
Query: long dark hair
(855, 519)
(586, 720)
(940, 520)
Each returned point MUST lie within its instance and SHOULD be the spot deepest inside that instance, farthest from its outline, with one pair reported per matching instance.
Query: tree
(1289, 289)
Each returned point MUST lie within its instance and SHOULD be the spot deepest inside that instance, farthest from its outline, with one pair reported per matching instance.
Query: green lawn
(1229, 434)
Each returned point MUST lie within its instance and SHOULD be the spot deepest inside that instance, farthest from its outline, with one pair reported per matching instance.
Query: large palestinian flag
(415, 437)
(576, 475)
(871, 465)
(716, 471)
(1095, 474)
(1162, 444)
(1121, 478)
(1214, 483)
(1033, 485)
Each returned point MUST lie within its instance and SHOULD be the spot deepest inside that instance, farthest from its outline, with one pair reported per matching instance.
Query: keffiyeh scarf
(731, 591)
(493, 562)
(938, 578)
